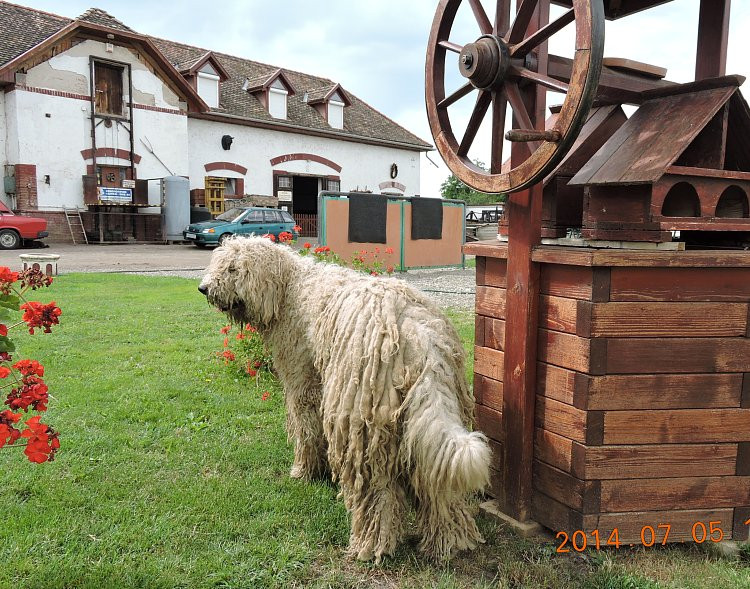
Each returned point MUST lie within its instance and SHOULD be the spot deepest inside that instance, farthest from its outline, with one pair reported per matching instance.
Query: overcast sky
(376, 48)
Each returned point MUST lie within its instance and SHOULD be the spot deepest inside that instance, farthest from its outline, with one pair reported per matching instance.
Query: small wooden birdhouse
(680, 163)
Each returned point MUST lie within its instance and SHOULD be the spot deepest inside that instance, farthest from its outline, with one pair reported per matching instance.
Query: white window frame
(336, 114)
(277, 103)
(208, 89)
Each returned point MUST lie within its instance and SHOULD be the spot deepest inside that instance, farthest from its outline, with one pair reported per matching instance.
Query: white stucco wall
(362, 166)
(53, 130)
(3, 133)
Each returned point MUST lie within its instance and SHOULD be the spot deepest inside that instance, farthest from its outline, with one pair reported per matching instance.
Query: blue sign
(116, 194)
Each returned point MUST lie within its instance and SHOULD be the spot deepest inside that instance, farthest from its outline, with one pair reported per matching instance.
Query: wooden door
(215, 195)
(108, 89)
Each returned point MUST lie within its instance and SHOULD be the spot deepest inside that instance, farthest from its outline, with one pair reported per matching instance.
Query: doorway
(305, 195)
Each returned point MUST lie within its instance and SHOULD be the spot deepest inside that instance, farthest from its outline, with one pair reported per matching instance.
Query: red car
(15, 229)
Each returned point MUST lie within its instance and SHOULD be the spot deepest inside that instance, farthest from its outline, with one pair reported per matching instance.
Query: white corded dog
(375, 391)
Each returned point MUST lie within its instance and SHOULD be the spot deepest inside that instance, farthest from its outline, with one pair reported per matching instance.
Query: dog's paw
(299, 472)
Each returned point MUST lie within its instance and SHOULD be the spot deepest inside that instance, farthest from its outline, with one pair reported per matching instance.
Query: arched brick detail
(213, 166)
(123, 154)
(291, 157)
(397, 185)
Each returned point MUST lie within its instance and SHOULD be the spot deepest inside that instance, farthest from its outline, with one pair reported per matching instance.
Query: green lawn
(173, 473)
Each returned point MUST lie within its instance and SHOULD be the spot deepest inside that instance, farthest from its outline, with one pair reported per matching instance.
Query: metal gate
(215, 195)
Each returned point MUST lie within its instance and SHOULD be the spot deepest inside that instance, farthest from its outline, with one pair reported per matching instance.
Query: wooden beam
(713, 37)
(524, 210)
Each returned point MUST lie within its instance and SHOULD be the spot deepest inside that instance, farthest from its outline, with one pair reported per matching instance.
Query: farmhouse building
(92, 113)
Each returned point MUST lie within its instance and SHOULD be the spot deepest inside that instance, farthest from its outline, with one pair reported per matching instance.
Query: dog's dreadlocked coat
(375, 391)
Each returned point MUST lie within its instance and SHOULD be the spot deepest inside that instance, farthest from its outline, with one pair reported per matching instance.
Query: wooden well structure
(612, 358)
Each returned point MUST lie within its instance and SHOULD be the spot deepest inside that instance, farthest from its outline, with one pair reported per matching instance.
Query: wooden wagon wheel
(496, 65)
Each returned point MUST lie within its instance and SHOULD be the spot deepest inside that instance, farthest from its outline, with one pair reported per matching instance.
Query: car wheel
(223, 238)
(9, 239)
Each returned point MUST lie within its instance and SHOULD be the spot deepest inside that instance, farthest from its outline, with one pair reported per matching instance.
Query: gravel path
(449, 287)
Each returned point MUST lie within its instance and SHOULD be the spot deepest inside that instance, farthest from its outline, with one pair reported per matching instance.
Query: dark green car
(240, 221)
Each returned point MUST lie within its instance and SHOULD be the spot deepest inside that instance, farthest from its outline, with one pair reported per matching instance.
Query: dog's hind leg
(377, 521)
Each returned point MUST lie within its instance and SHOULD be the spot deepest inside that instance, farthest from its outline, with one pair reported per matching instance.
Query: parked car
(240, 221)
(17, 229)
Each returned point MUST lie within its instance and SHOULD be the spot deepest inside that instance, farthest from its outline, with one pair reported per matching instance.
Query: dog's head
(247, 279)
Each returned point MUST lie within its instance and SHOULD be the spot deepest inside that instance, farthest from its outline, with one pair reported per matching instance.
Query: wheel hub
(485, 63)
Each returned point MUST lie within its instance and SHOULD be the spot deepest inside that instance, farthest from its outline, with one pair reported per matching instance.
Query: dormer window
(277, 100)
(336, 111)
(272, 90)
(208, 85)
(330, 102)
(206, 76)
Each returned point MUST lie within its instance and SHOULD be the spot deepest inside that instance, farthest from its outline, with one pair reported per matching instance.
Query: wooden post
(524, 210)
(713, 37)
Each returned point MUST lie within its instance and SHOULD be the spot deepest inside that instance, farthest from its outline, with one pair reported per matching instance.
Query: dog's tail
(442, 455)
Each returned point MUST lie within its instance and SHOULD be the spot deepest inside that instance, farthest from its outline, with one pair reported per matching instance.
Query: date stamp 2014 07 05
(579, 541)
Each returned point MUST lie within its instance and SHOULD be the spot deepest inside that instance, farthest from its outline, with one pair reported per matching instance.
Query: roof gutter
(291, 128)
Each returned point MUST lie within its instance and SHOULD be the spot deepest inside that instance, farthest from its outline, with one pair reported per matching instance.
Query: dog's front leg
(305, 429)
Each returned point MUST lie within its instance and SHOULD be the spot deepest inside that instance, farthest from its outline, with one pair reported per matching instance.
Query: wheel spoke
(456, 96)
(502, 17)
(521, 23)
(451, 46)
(484, 22)
(543, 34)
(520, 113)
(480, 110)
(499, 108)
(540, 79)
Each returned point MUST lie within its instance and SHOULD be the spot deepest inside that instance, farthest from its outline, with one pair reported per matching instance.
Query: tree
(454, 189)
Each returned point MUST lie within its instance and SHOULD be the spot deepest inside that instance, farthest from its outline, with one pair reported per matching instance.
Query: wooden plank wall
(643, 397)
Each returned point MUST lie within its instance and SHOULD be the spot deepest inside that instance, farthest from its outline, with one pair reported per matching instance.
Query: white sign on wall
(285, 196)
(123, 195)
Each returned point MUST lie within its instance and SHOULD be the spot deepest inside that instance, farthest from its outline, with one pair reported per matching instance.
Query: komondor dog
(375, 391)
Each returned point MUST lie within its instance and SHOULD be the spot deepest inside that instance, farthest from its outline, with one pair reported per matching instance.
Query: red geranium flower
(42, 441)
(225, 329)
(389, 250)
(298, 229)
(270, 236)
(307, 245)
(265, 396)
(4, 372)
(38, 315)
(29, 367)
(7, 276)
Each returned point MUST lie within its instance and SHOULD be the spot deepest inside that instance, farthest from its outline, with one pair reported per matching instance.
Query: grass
(173, 473)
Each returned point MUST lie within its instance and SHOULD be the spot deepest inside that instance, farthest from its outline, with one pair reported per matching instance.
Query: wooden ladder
(75, 223)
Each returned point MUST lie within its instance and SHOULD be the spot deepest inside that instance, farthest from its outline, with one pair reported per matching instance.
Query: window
(208, 89)
(285, 181)
(108, 89)
(286, 217)
(277, 103)
(254, 217)
(336, 114)
(230, 187)
(270, 217)
(333, 185)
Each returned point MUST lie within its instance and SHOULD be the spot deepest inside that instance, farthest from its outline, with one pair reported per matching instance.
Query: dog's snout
(203, 289)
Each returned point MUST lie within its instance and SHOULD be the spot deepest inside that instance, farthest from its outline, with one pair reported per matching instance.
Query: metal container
(175, 206)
